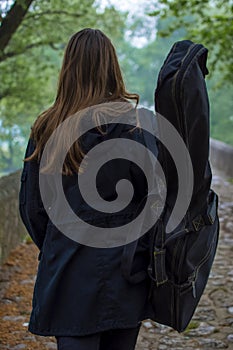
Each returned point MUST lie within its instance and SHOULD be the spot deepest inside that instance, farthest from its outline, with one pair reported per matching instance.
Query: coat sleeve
(31, 207)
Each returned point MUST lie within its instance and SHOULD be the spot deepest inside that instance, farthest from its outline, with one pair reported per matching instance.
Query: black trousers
(117, 339)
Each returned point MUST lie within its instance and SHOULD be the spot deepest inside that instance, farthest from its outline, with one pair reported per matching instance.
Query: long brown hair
(90, 75)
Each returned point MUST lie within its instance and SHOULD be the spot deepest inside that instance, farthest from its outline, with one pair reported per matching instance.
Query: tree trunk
(12, 21)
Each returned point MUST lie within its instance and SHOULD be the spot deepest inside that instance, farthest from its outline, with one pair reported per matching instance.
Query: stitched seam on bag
(197, 223)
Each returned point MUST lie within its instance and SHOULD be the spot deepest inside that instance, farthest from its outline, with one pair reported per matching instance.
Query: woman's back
(80, 288)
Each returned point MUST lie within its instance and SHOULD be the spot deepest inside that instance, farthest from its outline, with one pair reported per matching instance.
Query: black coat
(80, 289)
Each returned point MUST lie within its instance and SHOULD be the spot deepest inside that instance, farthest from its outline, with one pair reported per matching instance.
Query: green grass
(27, 239)
(192, 325)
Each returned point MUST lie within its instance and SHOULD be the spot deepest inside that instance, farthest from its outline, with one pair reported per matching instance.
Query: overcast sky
(133, 6)
(136, 8)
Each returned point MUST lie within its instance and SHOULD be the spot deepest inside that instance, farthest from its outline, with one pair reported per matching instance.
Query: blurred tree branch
(49, 13)
(11, 22)
(22, 50)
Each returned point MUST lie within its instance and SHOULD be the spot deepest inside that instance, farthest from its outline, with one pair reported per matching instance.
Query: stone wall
(221, 157)
(12, 230)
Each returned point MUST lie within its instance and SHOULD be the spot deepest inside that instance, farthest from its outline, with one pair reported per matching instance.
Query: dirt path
(210, 328)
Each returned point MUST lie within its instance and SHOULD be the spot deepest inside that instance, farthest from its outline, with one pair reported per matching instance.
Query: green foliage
(141, 65)
(208, 21)
(221, 109)
(31, 62)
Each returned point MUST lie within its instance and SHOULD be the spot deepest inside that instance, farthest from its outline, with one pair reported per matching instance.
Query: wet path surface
(210, 328)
